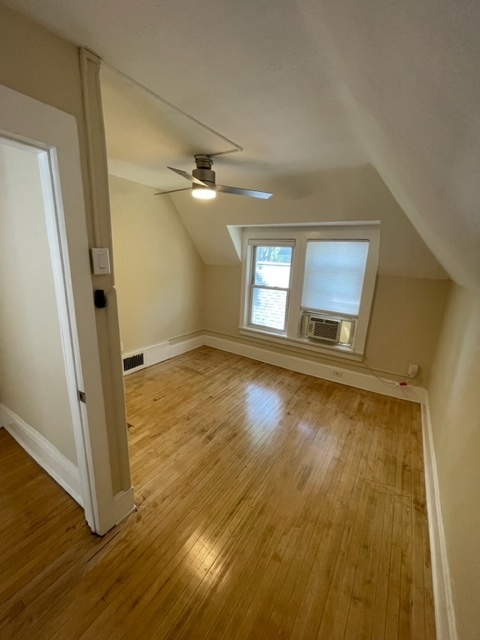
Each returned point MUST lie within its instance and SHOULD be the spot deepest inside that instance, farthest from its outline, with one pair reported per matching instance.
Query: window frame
(252, 286)
(298, 236)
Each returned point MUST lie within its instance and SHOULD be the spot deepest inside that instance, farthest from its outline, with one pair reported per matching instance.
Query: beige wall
(404, 325)
(454, 399)
(407, 311)
(159, 272)
(32, 370)
(411, 286)
(39, 64)
(352, 194)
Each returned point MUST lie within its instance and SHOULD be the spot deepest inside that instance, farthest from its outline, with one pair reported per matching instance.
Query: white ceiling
(302, 86)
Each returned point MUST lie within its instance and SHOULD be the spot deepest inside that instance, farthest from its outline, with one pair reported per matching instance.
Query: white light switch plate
(100, 262)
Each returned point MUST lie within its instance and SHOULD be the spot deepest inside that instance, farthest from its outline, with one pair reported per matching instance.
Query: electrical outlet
(337, 374)
(412, 370)
(121, 346)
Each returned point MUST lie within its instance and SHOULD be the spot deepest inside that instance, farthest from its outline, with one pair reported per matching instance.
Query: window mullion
(296, 284)
(265, 286)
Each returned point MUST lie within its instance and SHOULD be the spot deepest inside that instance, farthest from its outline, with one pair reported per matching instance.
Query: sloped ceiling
(303, 87)
(413, 75)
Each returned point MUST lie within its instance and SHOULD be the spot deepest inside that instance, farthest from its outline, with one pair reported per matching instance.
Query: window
(312, 286)
(270, 286)
(334, 274)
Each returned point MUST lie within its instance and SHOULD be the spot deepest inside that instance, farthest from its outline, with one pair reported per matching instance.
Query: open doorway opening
(40, 375)
(53, 135)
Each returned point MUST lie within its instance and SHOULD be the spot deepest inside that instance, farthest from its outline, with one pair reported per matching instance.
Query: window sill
(334, 351)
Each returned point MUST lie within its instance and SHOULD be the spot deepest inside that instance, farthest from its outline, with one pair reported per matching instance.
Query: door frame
(52, 134)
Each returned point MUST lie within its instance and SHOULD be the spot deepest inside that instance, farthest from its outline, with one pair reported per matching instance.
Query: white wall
(455, 415)
(404, 324)
(32, 371)
(353, 194)
(43, 66)
(410, 75)
(165, 291)
(159, 272)
(411, 286)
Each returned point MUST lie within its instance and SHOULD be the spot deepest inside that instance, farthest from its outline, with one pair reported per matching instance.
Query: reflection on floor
(270, 505)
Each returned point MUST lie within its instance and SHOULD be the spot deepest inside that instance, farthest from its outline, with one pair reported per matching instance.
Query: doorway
(38, 373)
(57, 350)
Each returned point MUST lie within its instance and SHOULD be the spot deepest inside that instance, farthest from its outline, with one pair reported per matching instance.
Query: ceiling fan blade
(238, 191)
(163, 193)
(188, 176)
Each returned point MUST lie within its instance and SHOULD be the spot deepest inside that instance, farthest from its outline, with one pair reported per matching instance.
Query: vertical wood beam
(107, 319)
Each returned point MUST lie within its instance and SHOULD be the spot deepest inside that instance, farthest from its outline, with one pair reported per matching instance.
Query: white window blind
(334, 274)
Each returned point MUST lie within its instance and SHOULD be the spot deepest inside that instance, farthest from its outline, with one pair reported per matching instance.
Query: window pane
(272, 266)
(346, 331)
(268, 308)
(334, 273)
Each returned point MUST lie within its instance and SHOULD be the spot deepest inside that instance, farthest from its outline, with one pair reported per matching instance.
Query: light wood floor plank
(270, 505)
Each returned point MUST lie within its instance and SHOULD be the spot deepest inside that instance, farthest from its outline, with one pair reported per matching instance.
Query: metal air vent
(133, 361)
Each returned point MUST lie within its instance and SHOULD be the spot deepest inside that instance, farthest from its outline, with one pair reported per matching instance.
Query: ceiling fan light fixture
(203, 193)
(203, 182)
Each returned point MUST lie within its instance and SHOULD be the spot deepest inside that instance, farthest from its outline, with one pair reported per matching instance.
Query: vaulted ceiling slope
(412, 70)
(313, 85)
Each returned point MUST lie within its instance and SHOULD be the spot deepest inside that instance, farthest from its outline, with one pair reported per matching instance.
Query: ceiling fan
(203, 182)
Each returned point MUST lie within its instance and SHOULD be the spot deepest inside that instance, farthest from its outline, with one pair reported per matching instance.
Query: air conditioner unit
(324, 328)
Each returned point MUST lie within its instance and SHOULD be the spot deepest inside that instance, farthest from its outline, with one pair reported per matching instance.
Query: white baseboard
(44, 453)
(319, 370)
(124, 504)
(186, 345)
(444, 609)
(164, 351)
(156, 353)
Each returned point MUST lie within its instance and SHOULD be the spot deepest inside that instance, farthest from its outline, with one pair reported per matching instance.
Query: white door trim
(53, 134)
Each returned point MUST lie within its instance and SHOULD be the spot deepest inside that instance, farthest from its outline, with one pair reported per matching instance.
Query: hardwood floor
(270, 505)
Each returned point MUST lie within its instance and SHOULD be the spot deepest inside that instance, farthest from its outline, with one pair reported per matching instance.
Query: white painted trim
(186, 345)
(53, 132)
(303, 344)
(164, 351)
(156, 353)
(319, 370)
(59, 467)
(124, 504)
(442, 592)
(59, 255)
(298, 236)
